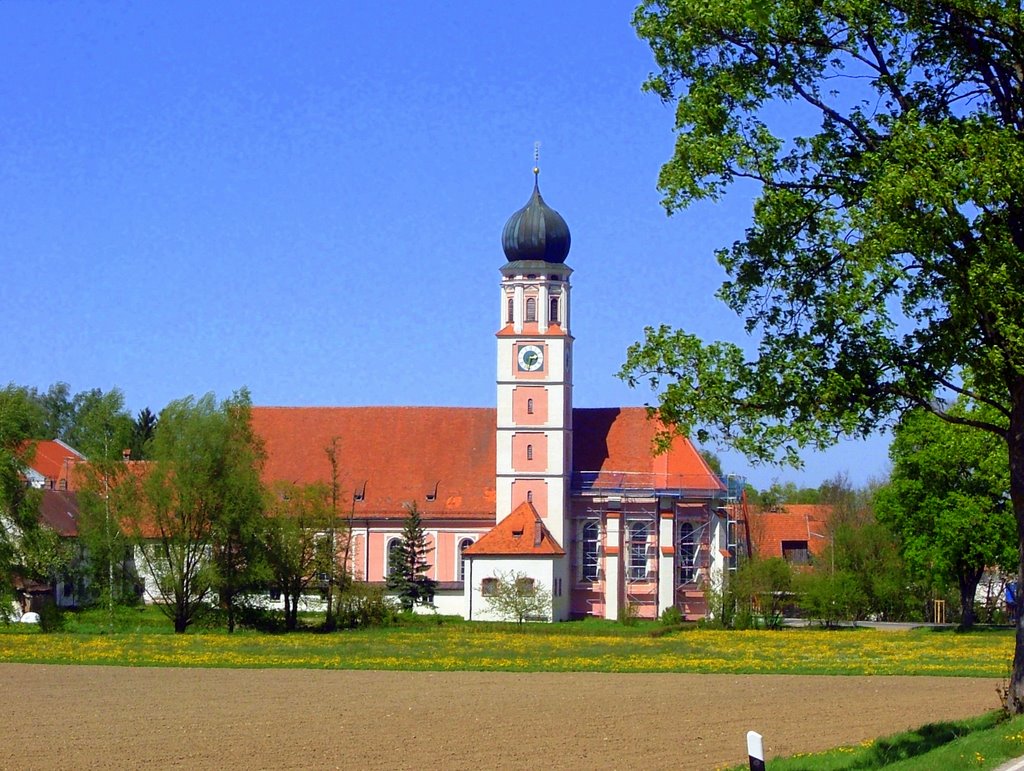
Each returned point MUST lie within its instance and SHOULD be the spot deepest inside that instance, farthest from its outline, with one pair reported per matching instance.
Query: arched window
(394, 555)
(529, 452)
(531, 308)
(687, 553)
(553, 310)
(464, 544)
(590, 550)
(529, 406)
(509, 310)
(638, 532)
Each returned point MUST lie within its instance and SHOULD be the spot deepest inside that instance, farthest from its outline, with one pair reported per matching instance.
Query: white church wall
(540, 569)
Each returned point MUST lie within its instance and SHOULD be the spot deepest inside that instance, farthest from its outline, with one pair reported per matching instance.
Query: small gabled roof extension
(521, 533)
(52, 459)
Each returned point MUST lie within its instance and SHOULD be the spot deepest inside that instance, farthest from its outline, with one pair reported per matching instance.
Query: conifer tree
(407, 563)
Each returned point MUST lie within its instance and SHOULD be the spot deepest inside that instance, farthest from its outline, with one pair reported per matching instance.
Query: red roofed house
(797, 532)
(51, 465)
(573, 498)
(50, 470)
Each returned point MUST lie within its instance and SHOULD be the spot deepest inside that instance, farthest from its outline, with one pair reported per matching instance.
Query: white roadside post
(755, 750)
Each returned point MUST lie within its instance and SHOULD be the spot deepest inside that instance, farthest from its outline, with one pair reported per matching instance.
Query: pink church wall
(444, 557)
(520, 455)
(357, 557)
(539, 488)
(378, 542)
(521, 396)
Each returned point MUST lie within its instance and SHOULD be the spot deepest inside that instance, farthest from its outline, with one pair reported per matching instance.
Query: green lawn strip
(570, 647)
(983, 742)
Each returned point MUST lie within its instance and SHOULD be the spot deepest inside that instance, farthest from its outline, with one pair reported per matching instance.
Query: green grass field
(143, 638)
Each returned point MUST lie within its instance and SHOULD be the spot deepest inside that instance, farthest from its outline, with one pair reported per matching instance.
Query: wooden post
(755, 751)
(939, 611)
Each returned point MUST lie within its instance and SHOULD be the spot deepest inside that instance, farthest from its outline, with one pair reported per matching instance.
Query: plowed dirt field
(108, 717)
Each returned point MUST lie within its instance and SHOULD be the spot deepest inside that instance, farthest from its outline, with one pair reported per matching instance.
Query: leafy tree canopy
(883, 141)
(101, 427)
(201, 504)
(884, 253)
(948, 502)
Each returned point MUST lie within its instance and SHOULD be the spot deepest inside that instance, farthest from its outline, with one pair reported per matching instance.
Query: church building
(573, 500)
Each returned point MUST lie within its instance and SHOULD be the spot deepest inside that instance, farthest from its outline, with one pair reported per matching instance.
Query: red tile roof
(54, 459)
(612, 447)
(393, 455)
(521, 533)
(59, 511)
(796, 522)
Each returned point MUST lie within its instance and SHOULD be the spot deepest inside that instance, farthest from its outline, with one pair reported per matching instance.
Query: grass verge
(983, 742)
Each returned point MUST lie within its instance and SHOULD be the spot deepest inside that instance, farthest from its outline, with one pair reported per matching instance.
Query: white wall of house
(541, 569)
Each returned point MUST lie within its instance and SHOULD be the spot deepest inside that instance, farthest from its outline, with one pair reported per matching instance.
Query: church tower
(534, 425)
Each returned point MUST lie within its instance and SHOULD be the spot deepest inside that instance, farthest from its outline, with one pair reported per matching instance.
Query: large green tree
(883, 141)
(948, 502)
(200, 502)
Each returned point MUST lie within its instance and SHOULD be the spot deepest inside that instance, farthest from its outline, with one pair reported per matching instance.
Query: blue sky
(307, 199)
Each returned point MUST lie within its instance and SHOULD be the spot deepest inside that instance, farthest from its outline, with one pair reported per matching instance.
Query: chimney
(126, 454)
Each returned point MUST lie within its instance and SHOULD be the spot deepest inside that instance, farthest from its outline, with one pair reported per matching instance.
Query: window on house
(525, 587)
(529, 406)
(509, 311)
(796, 552)
(687, 553)
(489, 587)
(529, 452)
(638, 532)
(394, 556)
(590, 550)
(531, 309)
(464, 544)
(553, 310)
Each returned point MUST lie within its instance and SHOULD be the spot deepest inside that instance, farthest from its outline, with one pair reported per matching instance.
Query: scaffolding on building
(639, 497)
(640, 560)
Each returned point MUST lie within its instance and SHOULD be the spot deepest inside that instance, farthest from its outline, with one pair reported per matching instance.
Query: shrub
(830, 598)
(362, 605)
(764, 586)
(51, 617)
(672, 616)
(629, 613)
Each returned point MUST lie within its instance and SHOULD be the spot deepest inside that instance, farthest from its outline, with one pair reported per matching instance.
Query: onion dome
(536, 232)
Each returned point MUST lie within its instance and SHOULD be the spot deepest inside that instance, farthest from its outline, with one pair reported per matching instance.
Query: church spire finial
(536, 161)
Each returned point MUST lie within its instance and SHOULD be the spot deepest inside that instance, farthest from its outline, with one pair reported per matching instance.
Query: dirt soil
(103, 717)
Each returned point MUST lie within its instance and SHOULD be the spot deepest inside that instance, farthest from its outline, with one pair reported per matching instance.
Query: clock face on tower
(531, 358)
